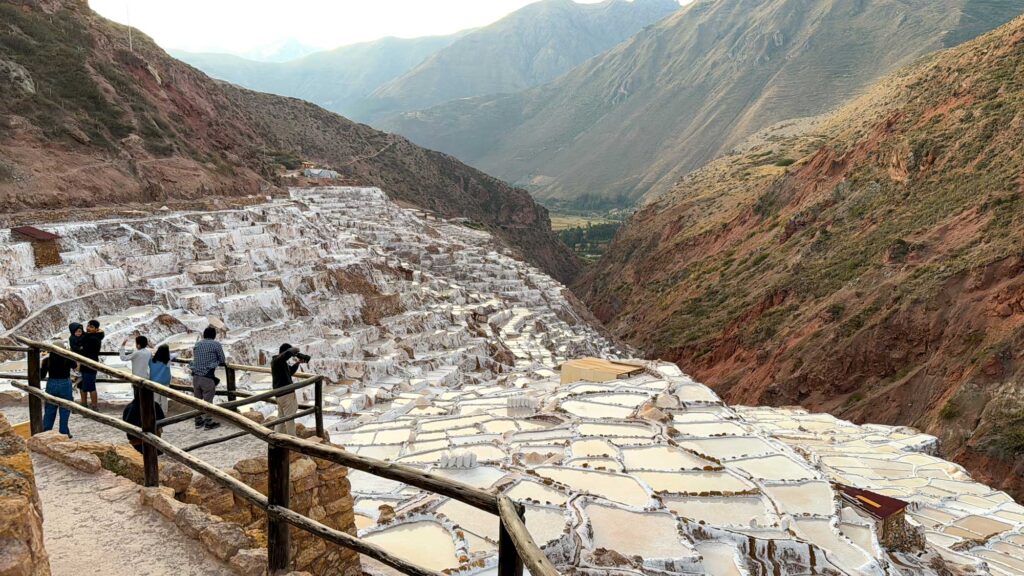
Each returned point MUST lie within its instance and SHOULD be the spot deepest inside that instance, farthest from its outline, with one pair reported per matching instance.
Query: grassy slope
(880, 276)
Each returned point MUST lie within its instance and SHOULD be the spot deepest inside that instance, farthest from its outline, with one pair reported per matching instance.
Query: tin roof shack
(889, 515)
(45, 245)
(597, 370)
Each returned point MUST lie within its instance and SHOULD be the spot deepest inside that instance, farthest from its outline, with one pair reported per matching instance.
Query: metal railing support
(35, 405)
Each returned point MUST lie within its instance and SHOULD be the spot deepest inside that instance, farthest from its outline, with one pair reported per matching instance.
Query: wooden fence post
(509, 562)
(318, 402)
(229, 377)
(278, 544)
(147, 412)
(35, 404)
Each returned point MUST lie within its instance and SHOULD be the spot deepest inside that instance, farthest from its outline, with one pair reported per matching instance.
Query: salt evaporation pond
(615, 487)
(722, 511)
(545, 524)
(719, 559)
(646, 534)
(694, 482)
(661, 458)
(805, 498)
(821, 532)
(710, 429)
(627, 430)
(594, 410)
(424, 543)
(526, 490)
(775, 467)
(480, 523)
(593, 447)
(728, 448)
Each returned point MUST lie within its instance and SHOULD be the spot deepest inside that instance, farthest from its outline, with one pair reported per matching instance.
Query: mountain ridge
(336, 79)
(526, 48)
(632, 121)
(88, 122)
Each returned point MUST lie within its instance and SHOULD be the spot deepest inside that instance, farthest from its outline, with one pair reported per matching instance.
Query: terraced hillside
(632, 121)
(84, 121)
(871, 266)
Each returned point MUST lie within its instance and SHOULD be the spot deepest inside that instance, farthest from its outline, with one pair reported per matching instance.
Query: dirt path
(94, 524)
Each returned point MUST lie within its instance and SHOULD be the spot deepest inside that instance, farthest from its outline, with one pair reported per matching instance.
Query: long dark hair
(163, 354)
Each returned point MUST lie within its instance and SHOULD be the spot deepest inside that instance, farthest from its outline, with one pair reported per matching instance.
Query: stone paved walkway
(223, 455)
(94, 524)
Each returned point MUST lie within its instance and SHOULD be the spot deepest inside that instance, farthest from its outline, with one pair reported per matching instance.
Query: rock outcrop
(233, 530)
(22, 552)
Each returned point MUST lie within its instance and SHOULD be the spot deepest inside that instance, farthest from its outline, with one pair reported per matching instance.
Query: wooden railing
(515, 545)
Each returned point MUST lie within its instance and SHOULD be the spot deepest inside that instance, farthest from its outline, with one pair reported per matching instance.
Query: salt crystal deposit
(443, 350)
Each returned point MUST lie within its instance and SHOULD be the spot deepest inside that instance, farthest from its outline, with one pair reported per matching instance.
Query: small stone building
(888, 513)
(45, 245)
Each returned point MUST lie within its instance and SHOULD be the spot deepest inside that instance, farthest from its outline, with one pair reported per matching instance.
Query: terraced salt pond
(615, 487)
(694, 482)
(661, 458)
(729, 448)
(775, 467)
(724, 511)
(527, 490)
(424, 543)
(615, 529)
(804, 498)
(719, 559)
(595, 410)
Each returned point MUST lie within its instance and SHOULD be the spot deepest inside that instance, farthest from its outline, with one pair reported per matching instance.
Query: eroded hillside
(872, 266)
(86, 121)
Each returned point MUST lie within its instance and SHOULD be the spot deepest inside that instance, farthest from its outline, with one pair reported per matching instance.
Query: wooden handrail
(471, 495)
(6, 348)
(233, 435)
(512, 527)
(532, 556)
(245, 491)
(245, 368)
(272, 393)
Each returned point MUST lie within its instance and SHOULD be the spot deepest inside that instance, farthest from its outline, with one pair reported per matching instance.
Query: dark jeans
(203, 388)
(60, 389)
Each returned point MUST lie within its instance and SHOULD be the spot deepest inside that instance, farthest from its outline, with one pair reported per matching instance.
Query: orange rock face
(21, 520)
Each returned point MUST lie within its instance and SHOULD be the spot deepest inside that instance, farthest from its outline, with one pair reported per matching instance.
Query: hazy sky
(242, 26)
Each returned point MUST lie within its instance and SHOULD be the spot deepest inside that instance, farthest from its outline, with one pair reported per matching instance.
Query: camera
(303, 358)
